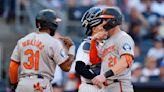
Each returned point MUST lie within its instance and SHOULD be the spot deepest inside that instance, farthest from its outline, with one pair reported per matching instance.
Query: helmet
(48, 19)
(90, 18)
(115, 16)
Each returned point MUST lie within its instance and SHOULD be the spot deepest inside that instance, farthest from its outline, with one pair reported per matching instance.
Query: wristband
(72, 50)
(108, 74)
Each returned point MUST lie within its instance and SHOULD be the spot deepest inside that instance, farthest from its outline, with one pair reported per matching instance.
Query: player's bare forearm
(93, 54)
(67, 64)
(71, 53)
(71, 59)
(120, 66)
(124, 62)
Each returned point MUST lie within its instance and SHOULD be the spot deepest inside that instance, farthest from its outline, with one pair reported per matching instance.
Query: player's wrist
(108, 73)
(72, 50)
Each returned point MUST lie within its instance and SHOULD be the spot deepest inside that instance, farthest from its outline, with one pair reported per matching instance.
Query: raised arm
(64, 52)
(93, 54)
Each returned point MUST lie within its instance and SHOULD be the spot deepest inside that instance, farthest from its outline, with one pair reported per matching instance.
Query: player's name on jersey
(36, 43)
(108, 50)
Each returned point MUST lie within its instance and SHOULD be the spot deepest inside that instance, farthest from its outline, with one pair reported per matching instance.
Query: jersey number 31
(33, 59)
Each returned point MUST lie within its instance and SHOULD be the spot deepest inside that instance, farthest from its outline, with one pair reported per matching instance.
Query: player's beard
(52, 32)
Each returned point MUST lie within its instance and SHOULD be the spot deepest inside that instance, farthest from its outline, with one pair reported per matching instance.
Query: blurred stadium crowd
(143, 20)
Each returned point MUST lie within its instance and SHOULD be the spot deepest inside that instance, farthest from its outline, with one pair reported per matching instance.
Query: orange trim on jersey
(13, 71)
(106, 16)
(93, 53)
(129, 59)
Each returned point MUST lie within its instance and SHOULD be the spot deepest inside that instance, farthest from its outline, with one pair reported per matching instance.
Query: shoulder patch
(86, 47)
(126, 47)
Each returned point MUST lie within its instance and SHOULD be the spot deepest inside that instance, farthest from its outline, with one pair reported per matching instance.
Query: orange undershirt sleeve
(13, 71)
(93, 53)
(129, 59)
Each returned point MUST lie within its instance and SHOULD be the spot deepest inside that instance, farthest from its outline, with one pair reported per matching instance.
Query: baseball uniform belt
(32, 75)
(109, 81)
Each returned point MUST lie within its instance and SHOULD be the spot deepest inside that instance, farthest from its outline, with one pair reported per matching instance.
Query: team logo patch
(126, 47)
(86, 47)
(62, 53)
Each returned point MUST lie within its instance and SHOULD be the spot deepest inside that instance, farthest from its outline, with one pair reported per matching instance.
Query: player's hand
(100, 36)
(67, 41)
(99, 80)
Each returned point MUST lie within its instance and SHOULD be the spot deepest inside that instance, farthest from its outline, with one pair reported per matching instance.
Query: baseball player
(116, 54)
(83, 66)
(37, 55)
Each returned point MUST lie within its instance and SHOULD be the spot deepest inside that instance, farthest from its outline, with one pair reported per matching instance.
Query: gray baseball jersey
(38, 53)
(115, 46)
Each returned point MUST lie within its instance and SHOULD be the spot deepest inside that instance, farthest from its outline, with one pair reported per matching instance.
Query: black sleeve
(82, 69)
